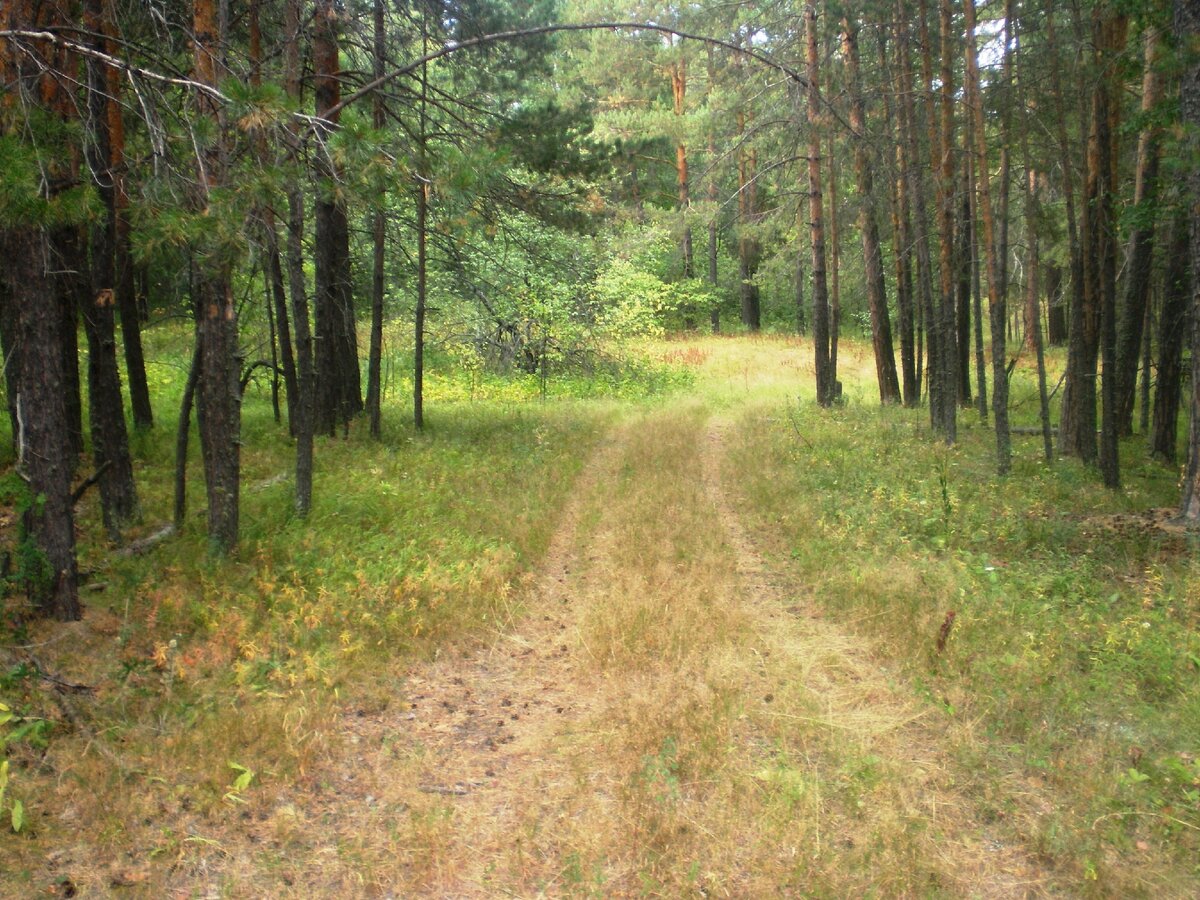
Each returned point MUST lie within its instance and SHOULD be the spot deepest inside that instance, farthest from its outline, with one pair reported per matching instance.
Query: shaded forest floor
(707, 663)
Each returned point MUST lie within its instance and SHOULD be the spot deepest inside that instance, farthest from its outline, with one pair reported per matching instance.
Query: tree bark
(901, 234)
(1147, 370)
(1187, 27)
(962, 314)
(679, 96)
(881, 330)
(913, 174)
(1033, 260)
(1093, 327)
(1172, 331)
(126, 294)
(422, 203)
(379, 239)
(110, 441)
(713, 196)
(1056, 314)
(1110, 38)
(277, 307)
(1132, 312)
(339, 386)
(826, 375)
(42, 437)
(182, 432)
(422, 191)
(944, 407)
(835, 256)
(996, 300)
(1077, 416)
(748, 248)
(304, 411)
(218, 398)
(981, 379)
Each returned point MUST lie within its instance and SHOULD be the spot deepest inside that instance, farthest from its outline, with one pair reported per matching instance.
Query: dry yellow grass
(673, 718)
(663, 713)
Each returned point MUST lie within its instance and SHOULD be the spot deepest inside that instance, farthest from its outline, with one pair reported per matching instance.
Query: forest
(577, 448)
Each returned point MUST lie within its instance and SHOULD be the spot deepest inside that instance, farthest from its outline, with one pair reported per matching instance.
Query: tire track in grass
(866, 716)
(475, 756)
(665, 716)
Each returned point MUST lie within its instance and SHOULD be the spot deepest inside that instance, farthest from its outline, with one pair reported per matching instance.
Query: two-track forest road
(668, 715)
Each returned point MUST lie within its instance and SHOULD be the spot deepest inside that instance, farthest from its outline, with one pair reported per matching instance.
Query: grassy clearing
(728, 683)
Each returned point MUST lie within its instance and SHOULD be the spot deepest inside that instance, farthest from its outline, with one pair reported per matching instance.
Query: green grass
(1074, 651)
(1071, 673)
(415, 543)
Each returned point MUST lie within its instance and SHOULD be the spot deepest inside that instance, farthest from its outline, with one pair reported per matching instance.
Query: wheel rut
(608, 733)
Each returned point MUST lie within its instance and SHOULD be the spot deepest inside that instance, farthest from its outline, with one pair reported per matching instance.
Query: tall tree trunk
(826, 375)
(996, 300)
(419, 318)
(303, 424)
(946, 411)
(277, 309)
(379, 238)
(1147, 373)
(1173, 330)
(929, 109)
(339, 388)
(713, 196)
(1187, 26)
(913, 175)
(901, 235)
(881, 330)
(1033, 260)
(1109, 35)
(981, 380)
(218, 395)
(1032, 304)
(126, 294)
(1132, 312)
(835, 256)
(110, 441)
(748, 247)
(279, 315)
(42, 438)
(1006, 136)
(31, 312)
(273, 340)
(182, 431)
(1073, 437)
(801, 317)
(1090, 325)
(74, 296)
(422, 202)
(962, 314)
(679, 95)
(1056, 314)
